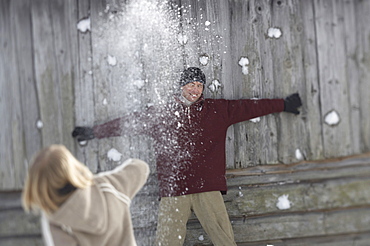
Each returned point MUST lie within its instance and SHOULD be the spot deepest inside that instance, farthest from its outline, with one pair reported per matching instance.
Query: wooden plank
(10, 200)
(352, 73)
(362, 10)
(46, 78)
(62, 26)
(28, 97)
(244, 142)
(263, 74)
(16, 116)
(84, 88)
(6, 49)
(334, 93)
(18, 223)
(286, 55)
(361, 239)
(102, 37)
(275, 228)
(307, 196)
(310, 111)
(25, 240)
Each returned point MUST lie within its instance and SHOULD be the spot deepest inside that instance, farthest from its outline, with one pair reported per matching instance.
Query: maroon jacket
(190, 141)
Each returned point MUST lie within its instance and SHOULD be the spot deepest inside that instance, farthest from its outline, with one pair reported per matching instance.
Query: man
(189, 135)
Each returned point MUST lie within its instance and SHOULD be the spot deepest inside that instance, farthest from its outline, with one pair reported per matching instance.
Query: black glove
(291, 103)
(83, 133)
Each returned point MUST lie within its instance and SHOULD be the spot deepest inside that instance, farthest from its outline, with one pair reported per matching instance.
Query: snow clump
(182, 39)
(332, 118)
(201, 238)
(39, 124)
(114, 155)
(274, 32)
(244, 62)
(112, 60)
(298, 154)
(283, 202)
(255, 120)
(203, 59)
(214, 86)
(84, 25)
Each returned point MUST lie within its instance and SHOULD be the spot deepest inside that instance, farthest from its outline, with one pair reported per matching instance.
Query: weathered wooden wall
(54, 74)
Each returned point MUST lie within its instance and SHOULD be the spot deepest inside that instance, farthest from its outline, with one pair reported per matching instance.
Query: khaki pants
(210, 209)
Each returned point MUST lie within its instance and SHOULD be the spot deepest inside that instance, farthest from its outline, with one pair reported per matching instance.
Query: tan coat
(100, 214)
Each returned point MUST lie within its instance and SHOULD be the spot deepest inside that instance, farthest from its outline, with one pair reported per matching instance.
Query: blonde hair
(52, 169)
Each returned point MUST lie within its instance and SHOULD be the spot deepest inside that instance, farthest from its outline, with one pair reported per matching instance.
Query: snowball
(114, 155)
(201, 238)
(182, 39)
(283, 202)
(255, 120)
(39, 124)
(112, 60)
(298, 154)
(105, 101)
(203, 60)
(332, 118)
(84, 25)
(274, 32)
(245, 70)
(207, 23)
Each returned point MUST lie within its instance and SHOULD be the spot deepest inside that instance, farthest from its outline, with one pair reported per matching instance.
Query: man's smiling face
(192, 91)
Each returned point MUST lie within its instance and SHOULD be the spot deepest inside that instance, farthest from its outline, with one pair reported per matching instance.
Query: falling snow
(182, 39)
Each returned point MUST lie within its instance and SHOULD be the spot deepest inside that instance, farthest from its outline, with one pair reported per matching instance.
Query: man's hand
(83, 133)
(292, 103)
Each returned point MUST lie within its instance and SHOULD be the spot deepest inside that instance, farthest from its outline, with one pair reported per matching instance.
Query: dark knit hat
(192, 74)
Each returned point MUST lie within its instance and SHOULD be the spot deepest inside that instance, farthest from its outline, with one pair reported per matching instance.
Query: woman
(82, 209)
